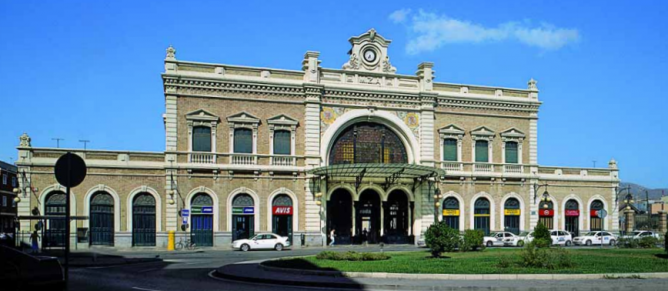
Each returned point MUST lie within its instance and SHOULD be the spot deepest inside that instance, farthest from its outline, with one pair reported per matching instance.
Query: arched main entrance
(102, 219)
(55, 233)
(511, 213)
(397, 218)
(281, 212)
(572, 215)
(143, 220)
(201, 229)
(546, 214)
(481, 215)
(367, 142)
(451, 212)
(243, 217)
(339, 216)
(596, 223)
(367, 217)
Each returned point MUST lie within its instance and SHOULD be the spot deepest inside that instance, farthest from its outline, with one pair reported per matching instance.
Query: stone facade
(314, 105)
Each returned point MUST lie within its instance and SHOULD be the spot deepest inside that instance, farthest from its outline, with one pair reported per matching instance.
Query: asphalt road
(190, 271)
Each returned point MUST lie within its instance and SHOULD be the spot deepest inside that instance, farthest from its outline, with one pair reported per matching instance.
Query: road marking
(144, 289)
(149, 270)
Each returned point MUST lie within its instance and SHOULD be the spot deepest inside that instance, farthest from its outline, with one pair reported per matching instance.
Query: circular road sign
(602, 213)
(70, 170)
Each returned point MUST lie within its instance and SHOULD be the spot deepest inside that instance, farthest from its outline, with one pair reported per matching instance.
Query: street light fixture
(437, 202)
(628, 200)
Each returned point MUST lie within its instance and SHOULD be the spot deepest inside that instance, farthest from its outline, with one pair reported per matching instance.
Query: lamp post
(437, 203)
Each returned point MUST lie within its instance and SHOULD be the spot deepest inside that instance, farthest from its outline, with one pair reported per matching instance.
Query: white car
(262, 241)
(641, 234)
(558, 237)
(596, 238)
(502, 238)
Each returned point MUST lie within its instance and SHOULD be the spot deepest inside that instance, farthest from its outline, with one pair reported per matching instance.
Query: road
(190, 271)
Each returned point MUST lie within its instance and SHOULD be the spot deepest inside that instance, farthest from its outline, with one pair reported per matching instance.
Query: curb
(140, 261)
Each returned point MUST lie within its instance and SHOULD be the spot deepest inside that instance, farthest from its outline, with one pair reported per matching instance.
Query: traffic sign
(185, 213)
(70, 170)
(602, 213)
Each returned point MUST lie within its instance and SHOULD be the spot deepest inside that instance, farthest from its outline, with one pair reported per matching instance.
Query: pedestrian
(365, 238)
(331, 237)
(34, 238)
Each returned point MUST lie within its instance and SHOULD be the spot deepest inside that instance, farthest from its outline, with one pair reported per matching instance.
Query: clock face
(369, 55)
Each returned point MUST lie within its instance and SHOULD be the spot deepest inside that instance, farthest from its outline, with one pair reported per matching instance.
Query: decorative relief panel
(329, 114)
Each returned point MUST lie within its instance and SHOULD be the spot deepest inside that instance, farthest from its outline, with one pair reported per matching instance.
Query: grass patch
(352, 256)
(492, 261)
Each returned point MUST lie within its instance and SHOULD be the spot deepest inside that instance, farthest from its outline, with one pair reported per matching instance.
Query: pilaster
(428, 103)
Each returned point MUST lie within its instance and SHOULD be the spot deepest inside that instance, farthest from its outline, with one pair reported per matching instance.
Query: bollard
(170, 240)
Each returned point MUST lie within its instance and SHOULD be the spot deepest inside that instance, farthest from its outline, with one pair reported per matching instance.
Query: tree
(541, 236)
(441, 238)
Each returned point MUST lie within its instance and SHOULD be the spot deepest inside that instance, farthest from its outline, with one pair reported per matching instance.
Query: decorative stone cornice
(482, 133)
(451, 131)
(512, 134)
(453, 102)
(243, 118)
(282, 121)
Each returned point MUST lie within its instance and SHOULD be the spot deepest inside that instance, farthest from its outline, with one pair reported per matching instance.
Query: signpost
(70, 171)
(601, 214)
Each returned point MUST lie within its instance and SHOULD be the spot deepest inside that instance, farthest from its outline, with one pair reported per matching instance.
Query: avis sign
(282, 210)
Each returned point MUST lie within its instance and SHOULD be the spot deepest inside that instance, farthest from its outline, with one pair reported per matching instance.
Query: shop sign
(450, 212)
(511, 212)
(546, 212)
(593, 213)
(203, 210)
(282, 210)
(481, 215)
(572, 212)
(243, 210)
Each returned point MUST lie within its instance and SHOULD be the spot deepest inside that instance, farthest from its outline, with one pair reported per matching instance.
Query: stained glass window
(368, 143)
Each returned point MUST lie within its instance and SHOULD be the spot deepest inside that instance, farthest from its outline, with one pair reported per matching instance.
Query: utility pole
(649, 210)
(57, 139)
(85, 142)
(594, 164)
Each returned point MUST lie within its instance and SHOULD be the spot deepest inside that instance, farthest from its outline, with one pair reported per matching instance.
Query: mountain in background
(638, 192)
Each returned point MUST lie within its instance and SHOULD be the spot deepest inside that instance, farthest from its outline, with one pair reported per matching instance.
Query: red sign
(572, 212)
(282, 210)
(546, 212)
(593, 213)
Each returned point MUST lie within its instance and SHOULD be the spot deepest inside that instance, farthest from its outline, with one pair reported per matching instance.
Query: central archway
(367, 217)
(368, 142)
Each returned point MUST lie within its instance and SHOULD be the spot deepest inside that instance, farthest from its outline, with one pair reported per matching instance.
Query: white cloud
(399, 16)
(432, 31)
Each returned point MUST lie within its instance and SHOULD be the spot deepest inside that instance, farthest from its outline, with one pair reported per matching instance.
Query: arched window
(282, 142)
(243, 217)
(511, 152)
(201, 139)
(143, 220)
(482, 151)
(450, 149)
(55, 233)
(281, 211)
(572, 216)
(546, 214)
(102, 219)
(596, 223)
(511, 215)
(201, 221)
(368, 143)
(481, 213)
(243, 141)
(451, 212)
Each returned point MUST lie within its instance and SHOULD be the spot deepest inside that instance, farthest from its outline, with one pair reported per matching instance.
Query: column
(662, 222)
(630, 220)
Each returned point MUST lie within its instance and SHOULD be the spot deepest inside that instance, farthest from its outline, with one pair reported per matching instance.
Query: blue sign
(207, 209)
(185, 212)
(249, 210)
(185, 220)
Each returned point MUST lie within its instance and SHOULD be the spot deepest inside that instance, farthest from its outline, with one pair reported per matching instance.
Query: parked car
(502, 238)
(264, 241)
(596, 238)
(559, 237)
(639, 234)
(22, 271)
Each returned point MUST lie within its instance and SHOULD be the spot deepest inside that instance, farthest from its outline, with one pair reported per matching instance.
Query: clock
(370, 55)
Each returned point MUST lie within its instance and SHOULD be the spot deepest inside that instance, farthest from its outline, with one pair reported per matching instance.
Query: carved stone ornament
(24, 140)
(532, 84)
(353, 63)
(171, 52)
(387, 67)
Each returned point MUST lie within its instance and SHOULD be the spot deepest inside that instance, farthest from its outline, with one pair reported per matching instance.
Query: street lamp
(628, 200)
(545, 198)
(437, 202)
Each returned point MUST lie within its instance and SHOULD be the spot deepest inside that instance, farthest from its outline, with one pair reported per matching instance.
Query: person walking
(331, 237)
(34, 238)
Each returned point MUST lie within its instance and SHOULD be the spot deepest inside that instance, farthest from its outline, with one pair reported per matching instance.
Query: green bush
(351, 256)
(627, 243)
(505, 262)
(665, 242)
(547, 258)
(648, 242)
(472, 241)
(541, 236)
(441, 238)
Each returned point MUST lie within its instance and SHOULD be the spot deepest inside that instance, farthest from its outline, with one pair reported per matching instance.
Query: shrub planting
(352, 256)
(441, 238)
(535, 256)
(541, 236)
(472, 241)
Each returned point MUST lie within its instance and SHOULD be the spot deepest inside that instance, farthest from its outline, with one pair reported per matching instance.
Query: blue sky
(91, 69)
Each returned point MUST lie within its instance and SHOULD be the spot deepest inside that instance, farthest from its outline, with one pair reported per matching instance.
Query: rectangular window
(450, 150)
(201, 139)
(481, 151)
(4, 179)
(282, 142)
(243, 141)
(511, 153)
(4, 201)
(13, 181)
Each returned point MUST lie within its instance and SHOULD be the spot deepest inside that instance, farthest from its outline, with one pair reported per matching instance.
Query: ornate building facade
(361, 150)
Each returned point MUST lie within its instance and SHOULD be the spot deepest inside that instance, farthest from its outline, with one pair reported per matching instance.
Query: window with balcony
(282, 142)
(481, 151)
(450, 150)
(243, 138)
(511, 152)
(201, 139)
(282, 130)
(451, 147)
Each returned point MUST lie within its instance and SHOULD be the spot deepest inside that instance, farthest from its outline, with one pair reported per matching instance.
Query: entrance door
(201, 231)
(511, 214)
(282, 216)
(102, 219)
(572, 214)
(242, 226)
(367, 225)
(546, 214)
(481, 214)
(143, 220)
(54, 235)
(596, 223)
(451, 212)
(396, 218)
(340, 216)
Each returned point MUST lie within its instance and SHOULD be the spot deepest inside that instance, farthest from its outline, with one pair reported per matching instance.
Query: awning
(377, 170)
